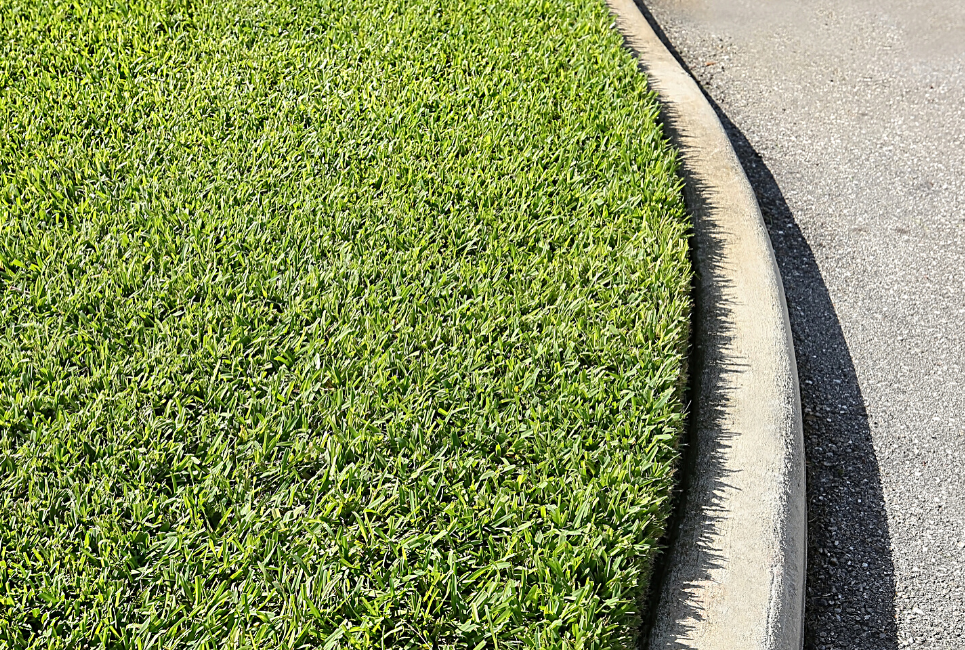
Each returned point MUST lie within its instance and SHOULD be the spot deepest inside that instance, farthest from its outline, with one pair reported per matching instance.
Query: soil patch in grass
(355, 324)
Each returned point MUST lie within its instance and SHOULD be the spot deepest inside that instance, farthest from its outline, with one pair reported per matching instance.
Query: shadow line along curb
(734, 576)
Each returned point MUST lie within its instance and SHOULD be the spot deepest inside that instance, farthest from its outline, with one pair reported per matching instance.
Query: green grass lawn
(325, 324)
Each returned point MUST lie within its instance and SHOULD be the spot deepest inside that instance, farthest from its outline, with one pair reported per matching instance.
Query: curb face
(735, 575)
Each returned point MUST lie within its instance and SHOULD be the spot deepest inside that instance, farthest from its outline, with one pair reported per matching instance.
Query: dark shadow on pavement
(850, 598)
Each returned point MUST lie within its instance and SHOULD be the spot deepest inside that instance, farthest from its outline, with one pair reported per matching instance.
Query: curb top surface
(735, 576)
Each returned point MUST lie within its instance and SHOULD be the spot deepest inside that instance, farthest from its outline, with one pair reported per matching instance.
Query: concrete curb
(734, 576)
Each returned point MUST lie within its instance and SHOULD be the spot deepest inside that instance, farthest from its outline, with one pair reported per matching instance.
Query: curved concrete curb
(734, 578)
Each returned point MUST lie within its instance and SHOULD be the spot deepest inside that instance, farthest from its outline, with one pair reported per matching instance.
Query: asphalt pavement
(849, 118)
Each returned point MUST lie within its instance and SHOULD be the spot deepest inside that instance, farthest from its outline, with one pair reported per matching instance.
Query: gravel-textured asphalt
(849, 117)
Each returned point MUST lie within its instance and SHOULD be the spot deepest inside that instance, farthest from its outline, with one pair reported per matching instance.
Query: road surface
(849, 118)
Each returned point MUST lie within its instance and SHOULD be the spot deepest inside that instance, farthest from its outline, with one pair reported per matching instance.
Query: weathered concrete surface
(735, 573)
(850, 122)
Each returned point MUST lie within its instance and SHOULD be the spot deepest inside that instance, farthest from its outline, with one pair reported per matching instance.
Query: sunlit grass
(353, 324)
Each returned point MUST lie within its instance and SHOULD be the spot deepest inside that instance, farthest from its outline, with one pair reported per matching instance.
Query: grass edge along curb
(734, 579)
(332, 324)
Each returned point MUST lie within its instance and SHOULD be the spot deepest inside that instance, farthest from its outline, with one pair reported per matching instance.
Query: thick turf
(354, 324)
